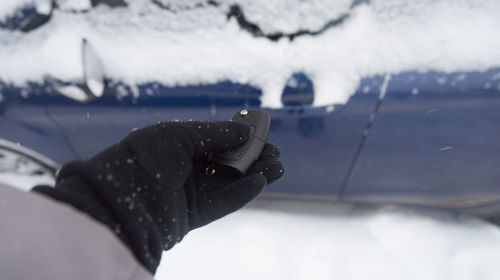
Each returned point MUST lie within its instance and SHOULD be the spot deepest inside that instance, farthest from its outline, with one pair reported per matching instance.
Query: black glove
(151, 187)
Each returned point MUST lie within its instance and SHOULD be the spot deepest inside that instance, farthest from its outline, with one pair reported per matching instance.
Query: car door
(317, 143)
(24, 122)
(435, 142)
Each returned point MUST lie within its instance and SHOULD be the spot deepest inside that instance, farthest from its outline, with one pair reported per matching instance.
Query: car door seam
(366, 133)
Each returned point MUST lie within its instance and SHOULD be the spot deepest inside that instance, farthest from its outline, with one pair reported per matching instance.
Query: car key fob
(244, 155)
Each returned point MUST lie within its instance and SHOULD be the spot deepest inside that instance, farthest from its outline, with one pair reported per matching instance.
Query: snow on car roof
(259, 42)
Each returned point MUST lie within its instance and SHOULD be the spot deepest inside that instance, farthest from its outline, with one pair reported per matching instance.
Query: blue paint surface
(435, 141)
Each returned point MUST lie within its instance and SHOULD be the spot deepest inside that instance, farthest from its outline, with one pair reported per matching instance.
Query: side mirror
(92, 84)
(93, 71)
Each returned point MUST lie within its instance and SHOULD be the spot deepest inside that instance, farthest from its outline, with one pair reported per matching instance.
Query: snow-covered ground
(299, 240)
(286, 239)
(20, 171)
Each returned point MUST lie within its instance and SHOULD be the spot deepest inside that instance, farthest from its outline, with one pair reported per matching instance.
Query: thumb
(201, 137)
(216, 136)
(218, 203)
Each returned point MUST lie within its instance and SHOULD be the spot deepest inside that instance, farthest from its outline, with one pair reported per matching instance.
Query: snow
(20, 171)
(74, 4)
(8, 7)
(23, 182)
(288, 16)
(144, 43)
(303, 240)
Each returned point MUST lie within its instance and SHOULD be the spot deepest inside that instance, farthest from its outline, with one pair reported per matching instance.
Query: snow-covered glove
(151, 188)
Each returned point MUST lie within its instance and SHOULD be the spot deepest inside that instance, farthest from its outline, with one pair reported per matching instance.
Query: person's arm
(151, 188)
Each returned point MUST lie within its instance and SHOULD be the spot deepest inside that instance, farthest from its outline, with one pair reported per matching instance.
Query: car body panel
(317, 144)
(435, 141)
(24, 120)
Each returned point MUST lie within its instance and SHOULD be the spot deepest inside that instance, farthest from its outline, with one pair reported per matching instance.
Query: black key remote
(243, 156)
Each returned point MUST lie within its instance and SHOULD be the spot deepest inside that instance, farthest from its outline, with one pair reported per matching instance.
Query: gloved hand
(151, 187)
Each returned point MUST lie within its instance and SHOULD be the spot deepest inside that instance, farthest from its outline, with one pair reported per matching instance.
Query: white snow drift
(196, 45)
(292, 240)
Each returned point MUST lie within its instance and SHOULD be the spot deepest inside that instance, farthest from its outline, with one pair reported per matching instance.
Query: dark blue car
(418, 138)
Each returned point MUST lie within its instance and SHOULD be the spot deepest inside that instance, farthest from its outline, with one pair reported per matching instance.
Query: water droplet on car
(158, 175)
(445, 148)
(109, 177)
